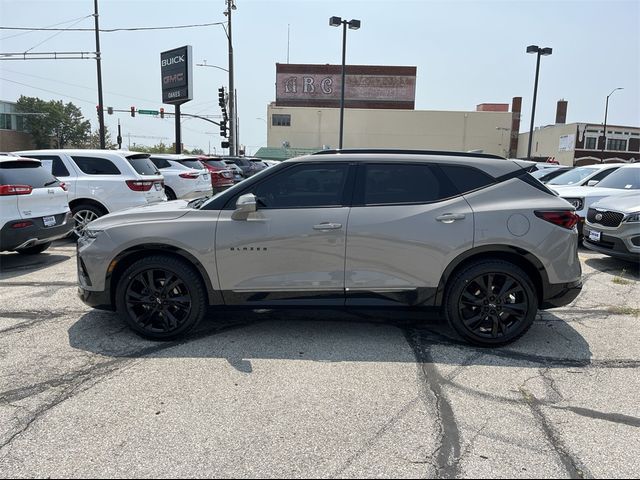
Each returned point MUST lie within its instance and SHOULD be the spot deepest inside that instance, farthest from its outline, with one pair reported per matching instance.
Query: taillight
(562, 218)
(191, 175)
(139, 185)
(15, 189)
(22, 224)
(64, 186)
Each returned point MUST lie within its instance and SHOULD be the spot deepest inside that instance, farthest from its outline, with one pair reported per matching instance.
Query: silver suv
(472, 235)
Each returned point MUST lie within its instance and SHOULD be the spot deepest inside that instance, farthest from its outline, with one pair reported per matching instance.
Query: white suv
(102, 181)
(34, 209)
(185, 177)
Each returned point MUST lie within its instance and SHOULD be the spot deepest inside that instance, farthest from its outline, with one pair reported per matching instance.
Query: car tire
(35, 249)
(170, 194)
(153, 311)
(82, 215)
(491, 303)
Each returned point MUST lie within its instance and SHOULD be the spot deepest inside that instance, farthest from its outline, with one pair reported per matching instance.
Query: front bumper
(99, 300)
(560, 294)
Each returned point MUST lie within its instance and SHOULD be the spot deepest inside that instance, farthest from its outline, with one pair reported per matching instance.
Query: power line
(53, 25)
(111, 30)
(58, 32)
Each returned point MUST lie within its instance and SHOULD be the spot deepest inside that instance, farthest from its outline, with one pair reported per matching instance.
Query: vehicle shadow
(13, 264)
(241, 337)
(616, 267)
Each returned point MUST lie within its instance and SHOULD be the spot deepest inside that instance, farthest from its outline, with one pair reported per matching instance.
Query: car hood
(566, 191)
(145, 213)
(628, 203)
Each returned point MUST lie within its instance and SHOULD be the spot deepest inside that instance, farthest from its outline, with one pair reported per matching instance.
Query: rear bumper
(560, 294)
(36, 234)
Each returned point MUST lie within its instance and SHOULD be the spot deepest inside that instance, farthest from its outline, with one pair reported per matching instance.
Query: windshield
(573, 176)
(624, 178)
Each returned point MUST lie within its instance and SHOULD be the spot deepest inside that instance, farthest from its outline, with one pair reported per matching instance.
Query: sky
(466, 53)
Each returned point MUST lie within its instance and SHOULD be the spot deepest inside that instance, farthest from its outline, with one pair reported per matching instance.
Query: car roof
(13, 158)
(491, 164)
(83, 152)
(601, 166)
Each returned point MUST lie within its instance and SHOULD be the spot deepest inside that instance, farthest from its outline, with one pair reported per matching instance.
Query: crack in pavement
(83, 379)
(446, 457)
(572, 465)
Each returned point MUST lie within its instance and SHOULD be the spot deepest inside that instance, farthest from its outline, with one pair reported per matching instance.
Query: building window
(5, 121)
(590, 143)
(616, 144)
(281, 120)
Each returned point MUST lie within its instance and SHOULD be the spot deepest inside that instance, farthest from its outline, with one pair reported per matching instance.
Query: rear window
(160, 162)
(240, 161)
(216, 163)
(143, 165)
(26, 173)
(96, 165)
(466, 178)
(195, 164)
(573, 176)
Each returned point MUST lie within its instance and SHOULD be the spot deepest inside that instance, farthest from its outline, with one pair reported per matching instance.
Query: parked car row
(96, 182)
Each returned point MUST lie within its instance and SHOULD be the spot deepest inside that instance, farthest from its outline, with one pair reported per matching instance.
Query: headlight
(633, 218)
(89, 233)
(577, 203)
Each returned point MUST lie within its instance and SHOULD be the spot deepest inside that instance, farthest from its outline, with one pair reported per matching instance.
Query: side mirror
(592, 183)
(245, 205)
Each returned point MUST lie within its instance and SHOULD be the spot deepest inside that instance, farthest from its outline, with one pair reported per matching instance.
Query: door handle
(328, 226)
(450, 217)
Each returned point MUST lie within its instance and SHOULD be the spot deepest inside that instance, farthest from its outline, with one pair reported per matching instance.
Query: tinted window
(240, 161)
(160, 162)
(304, 186)
(26, 173)
(623, 178)
(603, 174)
(466, 179)
(143, 165)
(216, 163)
(405, 183)
(195, 164)
(96, 166)
(54, 164)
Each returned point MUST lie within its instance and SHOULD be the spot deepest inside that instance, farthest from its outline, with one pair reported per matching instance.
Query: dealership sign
(177, 75)
(366, 86)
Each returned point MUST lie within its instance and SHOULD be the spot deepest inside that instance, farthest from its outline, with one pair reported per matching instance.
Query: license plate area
(49, 221)
(158, 186)
(594, 236)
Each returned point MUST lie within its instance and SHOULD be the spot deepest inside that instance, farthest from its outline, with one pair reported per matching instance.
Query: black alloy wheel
(161, 297)
(491, 303)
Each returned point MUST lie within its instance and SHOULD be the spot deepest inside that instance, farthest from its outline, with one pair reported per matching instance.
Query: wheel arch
(127, 257)
(88, 201)
(518, 256)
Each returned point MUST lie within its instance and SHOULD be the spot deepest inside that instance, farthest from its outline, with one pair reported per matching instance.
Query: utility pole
(232, 110)
(99, 67)
(119, 139)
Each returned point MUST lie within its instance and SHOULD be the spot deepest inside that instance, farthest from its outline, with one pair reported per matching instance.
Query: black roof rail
(409, 152)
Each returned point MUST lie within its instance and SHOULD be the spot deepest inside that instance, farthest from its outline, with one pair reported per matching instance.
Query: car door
(291, 250)
(406, 224)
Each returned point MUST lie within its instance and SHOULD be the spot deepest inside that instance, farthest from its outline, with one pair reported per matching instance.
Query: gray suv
(472, 235)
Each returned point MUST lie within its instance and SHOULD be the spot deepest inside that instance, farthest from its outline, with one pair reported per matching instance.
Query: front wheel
(491, 303)
(161, 297)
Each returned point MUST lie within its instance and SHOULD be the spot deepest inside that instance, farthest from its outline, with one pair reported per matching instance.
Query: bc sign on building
(366, 86)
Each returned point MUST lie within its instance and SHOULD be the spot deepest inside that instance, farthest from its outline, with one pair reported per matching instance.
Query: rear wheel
(491, 303)
(83, 214)
(169, 193)
(35, 249)
(161, 297)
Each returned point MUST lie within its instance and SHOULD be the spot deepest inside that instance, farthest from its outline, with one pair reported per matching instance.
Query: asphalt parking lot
(315, 393)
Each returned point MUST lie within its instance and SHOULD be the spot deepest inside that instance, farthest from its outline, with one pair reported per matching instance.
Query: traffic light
(221, 99)
(162, 113)
(223, 127)
(110, 110)
(133, 111)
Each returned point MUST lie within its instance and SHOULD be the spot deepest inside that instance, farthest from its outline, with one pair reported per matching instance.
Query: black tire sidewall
(185, 272)
(459, 282)
(170, 194)
(34, 250)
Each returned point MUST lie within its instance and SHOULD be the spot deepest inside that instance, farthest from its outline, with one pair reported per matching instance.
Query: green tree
(93, 140)
(54, 122)
(197, 151)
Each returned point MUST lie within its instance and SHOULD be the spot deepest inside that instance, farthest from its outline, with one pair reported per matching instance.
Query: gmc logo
(172, 61)
(175, 78)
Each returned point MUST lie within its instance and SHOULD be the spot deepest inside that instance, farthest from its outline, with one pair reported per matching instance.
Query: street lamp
(539, 51)
(232, 104)
(353, 25)
(606, 108)
(205, 64)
